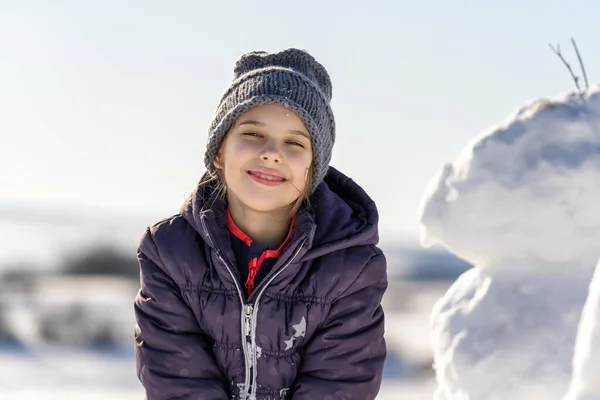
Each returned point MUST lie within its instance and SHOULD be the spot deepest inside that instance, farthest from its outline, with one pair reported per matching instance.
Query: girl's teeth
(267, 177)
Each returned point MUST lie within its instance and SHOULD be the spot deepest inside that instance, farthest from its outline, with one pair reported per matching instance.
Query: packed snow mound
(521, 204)
(525, 193)
(498, 335)
(585, 384)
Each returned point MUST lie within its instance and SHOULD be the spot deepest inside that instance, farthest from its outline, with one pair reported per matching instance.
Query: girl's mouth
(266, 178)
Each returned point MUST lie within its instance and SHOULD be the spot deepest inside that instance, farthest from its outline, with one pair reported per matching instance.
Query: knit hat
(291, 78)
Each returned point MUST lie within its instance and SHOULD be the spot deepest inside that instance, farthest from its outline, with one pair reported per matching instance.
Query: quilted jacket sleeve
(173, 356)
(344, 360)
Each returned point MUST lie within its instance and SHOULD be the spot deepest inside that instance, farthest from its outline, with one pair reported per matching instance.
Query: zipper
(248, 310)
(246, 317)
(249, 317)
(254, 317)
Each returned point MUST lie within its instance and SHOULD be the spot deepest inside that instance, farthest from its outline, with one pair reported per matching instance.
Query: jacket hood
(341, 215)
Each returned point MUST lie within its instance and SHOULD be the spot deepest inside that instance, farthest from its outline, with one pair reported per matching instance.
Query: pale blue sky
(106, 104)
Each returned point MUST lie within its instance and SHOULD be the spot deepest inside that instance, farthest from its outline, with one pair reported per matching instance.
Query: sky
(105, 105)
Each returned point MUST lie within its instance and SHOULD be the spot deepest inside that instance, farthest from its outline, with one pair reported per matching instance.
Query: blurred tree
(18, 277)
(103, 260)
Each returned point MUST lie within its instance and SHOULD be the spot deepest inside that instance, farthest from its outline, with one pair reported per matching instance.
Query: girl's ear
(218, 162)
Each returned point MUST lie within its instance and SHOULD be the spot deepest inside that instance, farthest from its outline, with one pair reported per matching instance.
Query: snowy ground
(89, 376)
(68, 374)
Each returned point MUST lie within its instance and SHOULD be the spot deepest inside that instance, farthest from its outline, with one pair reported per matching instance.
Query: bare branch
(587, 86)
(559, 54)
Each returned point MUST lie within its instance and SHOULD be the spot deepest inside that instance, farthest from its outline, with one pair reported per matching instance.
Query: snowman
(586, 360)
(522, 204)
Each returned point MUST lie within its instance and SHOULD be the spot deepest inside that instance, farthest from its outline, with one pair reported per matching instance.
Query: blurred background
(104, 108)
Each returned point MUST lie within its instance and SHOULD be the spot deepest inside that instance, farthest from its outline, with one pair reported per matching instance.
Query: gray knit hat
(291, 78)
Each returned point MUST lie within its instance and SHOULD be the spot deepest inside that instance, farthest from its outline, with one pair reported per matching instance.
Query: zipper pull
(247, 319)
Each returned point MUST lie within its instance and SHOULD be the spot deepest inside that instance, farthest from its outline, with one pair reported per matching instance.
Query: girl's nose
(271, 153)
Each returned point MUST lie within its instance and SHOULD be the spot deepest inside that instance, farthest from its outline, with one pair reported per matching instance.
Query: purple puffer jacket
(312, 329)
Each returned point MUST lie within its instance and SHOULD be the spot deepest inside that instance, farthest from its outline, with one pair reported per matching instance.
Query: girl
(268, 283)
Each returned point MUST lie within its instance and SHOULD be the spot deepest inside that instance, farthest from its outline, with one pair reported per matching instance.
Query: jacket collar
(341, 215)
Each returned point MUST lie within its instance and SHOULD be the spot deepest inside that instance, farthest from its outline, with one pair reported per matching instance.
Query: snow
(67, 375)
(74, 375)
(586, 361)
(520, 204)
(502, 335)
(73, 367)
(525, 192)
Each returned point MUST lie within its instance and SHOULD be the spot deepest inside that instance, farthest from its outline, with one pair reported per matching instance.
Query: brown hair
(303, 202)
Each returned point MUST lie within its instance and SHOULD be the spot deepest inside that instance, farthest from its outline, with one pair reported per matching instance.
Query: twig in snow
(559, 54)
(587, 86)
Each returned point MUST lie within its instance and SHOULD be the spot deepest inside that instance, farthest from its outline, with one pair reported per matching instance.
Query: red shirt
(254, 260)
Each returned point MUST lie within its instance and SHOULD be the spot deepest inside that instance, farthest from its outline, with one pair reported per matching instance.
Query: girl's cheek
(300, 160)
(240, 148)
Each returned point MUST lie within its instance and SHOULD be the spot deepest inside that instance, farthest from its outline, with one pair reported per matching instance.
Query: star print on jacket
(299, 331)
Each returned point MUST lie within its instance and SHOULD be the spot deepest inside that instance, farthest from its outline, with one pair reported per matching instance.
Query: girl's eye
(254, 134)
(296, 144)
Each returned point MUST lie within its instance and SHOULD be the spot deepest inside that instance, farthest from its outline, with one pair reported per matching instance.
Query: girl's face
(266, 158)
